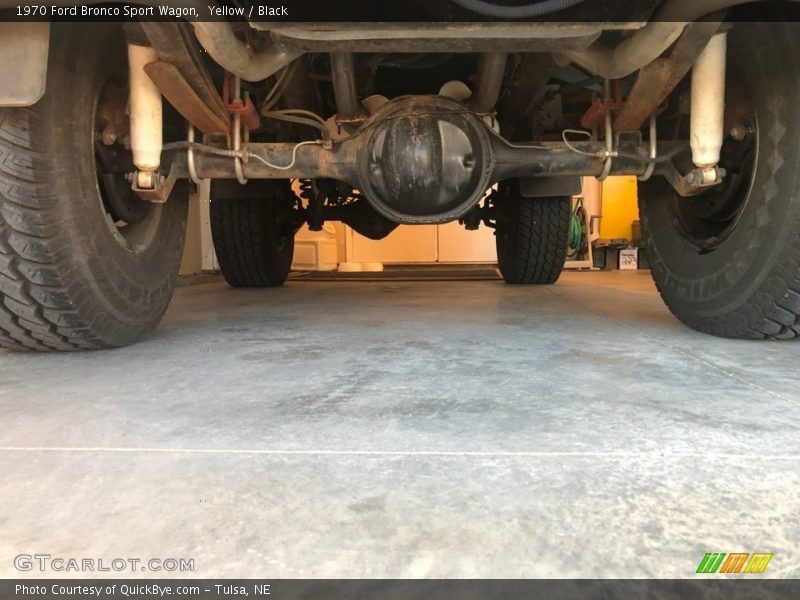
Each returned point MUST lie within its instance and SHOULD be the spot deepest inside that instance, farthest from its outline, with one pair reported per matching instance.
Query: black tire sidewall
(507, 229)
(699, 286)
(251, 230)
(280, 250)
(129, 291)
(531, 235)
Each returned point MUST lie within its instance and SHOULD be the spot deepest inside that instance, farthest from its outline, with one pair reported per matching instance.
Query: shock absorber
(708, 107)
(145, 117)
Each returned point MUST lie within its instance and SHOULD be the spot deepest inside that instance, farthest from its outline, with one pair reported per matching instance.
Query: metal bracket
(695, 181)
(161, 186)
(236, 102)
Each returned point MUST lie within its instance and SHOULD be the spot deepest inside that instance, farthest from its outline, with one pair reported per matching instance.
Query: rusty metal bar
(645, 95)
(544, 159)
(488, 81)
(184, 98)
(656, 81)
(343, 73)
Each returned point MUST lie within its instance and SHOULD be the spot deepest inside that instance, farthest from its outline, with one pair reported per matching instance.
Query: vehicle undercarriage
(491, 123)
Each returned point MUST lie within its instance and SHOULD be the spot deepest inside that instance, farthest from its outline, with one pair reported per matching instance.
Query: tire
(735, 272)
(71, 275)
(531, 235)
(254, 233)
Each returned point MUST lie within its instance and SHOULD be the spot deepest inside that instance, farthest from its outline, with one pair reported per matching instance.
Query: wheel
(84, 264)
(253, 229)
(531, 235)
(727, 262)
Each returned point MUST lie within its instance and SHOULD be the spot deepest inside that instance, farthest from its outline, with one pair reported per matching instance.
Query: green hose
(575, 238)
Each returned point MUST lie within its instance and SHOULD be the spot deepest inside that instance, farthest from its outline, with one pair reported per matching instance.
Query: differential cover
(426, 160)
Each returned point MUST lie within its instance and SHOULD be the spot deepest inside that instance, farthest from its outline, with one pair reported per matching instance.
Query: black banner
(320, 589)
(387, 11)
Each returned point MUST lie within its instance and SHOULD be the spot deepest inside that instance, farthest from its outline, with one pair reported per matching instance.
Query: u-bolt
(191, 167)
(237, 134)
(609, 133)
(653, 149)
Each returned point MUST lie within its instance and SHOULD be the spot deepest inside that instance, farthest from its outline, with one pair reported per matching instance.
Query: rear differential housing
(426, 159)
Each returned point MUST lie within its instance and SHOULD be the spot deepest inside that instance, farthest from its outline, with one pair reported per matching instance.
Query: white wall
(198, 252)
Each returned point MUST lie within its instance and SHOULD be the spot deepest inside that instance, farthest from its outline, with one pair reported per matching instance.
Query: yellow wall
(619, 208)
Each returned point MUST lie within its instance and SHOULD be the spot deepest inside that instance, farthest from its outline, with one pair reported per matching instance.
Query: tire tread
(28, 243)
(539, 250)
(244, 241)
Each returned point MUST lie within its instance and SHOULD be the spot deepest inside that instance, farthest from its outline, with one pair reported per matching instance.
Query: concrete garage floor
(461, 429)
